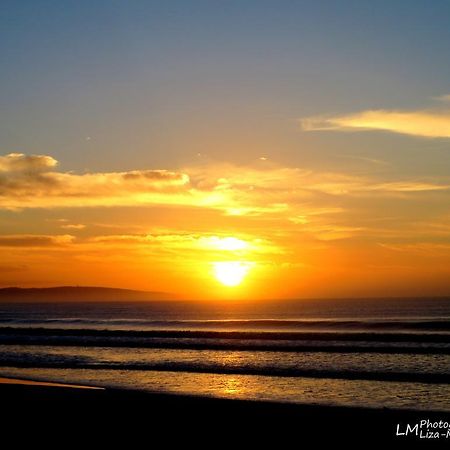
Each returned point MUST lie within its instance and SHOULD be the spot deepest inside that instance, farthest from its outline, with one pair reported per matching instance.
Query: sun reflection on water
(231, 386)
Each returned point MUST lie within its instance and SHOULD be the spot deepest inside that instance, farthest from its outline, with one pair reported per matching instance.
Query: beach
(293, 372)
(47, 411)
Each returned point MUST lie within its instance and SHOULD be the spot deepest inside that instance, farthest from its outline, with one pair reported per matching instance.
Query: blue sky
(155, 83)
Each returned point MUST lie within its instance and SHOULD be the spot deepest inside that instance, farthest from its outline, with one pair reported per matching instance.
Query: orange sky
(288, 232)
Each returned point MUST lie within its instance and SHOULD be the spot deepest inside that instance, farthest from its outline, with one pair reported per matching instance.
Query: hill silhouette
(78, 293)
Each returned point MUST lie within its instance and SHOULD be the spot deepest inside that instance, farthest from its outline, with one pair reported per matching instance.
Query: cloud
(35, 240)
(426, 123)
(190, 241)
(18, 162)
(365, 159)
(333, 232)
(433, 248)
(284, 191)
(31, 182)
(407, 186)
(443, 98)
(74, 226)
(307, 213)
(268, 190)
(193, 246)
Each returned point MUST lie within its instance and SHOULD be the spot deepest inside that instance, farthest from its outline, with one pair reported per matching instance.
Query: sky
(226, 149)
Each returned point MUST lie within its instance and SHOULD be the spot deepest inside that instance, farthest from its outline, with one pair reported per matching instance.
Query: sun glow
(231, 273)
(224, 243)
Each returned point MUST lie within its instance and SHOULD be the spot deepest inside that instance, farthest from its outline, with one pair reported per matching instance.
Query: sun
(231, 273)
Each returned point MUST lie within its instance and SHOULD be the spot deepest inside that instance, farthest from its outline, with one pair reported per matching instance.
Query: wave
(238, 335)
(323, 324)
(416, 377)
(230, 344)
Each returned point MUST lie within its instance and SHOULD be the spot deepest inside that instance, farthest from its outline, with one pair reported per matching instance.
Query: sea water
(391, 353)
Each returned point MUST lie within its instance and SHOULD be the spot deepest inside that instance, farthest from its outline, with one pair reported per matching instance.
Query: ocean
(380, 353)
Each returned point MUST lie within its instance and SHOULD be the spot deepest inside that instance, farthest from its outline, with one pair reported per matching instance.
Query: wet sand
(47, 412)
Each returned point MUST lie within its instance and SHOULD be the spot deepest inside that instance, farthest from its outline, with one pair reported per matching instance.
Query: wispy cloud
(195, 242)
(432, 248)
(74, 226)
(269, 190)
(443, 98)
(167, 246)
(277, 188)
(407, 186)
(34, 240)
(366, 159)
(431, 123)
(333, 232)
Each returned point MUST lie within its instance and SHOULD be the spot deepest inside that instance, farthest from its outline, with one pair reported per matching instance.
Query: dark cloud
(34, 240)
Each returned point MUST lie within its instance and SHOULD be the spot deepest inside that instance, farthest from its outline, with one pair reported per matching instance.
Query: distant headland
(78, 293)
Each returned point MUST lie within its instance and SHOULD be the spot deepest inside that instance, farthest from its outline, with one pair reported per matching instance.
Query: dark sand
(60, 415)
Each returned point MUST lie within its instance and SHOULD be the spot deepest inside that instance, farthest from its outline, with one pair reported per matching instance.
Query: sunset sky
(226, 149)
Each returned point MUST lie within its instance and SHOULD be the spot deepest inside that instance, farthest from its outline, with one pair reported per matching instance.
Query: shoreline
(131, 414)
(11, 381)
